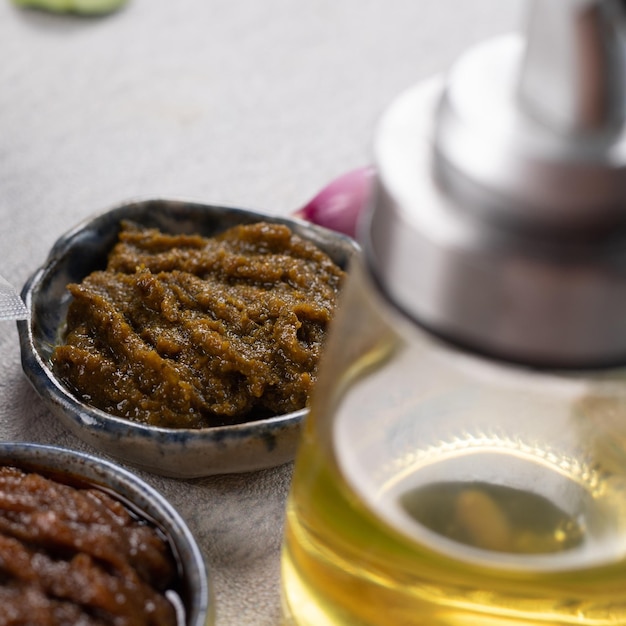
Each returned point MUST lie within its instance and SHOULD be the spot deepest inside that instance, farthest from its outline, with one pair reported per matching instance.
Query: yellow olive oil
(451, 553)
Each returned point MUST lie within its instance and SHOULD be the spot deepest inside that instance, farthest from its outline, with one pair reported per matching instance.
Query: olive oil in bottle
(450, 554)
(464, 460)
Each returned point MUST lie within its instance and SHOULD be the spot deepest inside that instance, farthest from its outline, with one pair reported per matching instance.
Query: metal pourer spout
(532, 128)
(499, 220)
(572, 74)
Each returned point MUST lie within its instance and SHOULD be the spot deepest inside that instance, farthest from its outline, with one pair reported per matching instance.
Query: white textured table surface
(246, 103)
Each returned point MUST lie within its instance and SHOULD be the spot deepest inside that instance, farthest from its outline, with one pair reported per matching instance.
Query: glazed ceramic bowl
(68, 466)
(182, 453)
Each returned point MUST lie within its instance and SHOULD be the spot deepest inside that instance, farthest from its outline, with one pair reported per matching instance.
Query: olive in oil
(494, 517)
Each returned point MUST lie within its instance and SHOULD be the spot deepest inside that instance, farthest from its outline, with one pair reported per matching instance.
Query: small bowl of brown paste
(181, 337)
(83, 541)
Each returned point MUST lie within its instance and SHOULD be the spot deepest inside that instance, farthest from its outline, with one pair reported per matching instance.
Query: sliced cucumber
(84, 7)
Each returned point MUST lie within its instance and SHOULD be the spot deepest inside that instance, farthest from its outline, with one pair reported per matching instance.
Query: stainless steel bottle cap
(499, 219)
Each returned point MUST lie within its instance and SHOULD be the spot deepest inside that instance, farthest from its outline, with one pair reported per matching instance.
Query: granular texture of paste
(75, 556)
(184, 331)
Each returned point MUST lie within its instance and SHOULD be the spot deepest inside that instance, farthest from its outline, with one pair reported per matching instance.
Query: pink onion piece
(339, 205)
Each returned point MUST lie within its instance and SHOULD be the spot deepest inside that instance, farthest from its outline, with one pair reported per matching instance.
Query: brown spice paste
(75, 556)
(184, 331)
